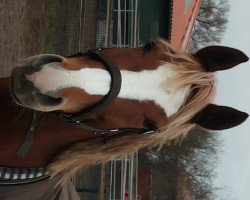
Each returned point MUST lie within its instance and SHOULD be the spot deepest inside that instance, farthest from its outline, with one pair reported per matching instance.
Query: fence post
(101, 182)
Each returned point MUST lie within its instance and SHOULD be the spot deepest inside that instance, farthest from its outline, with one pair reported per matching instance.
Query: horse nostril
(48, 100)
(43, 99)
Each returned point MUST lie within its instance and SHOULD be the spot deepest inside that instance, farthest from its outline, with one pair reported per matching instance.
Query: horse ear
(215, 117)
(215, 58)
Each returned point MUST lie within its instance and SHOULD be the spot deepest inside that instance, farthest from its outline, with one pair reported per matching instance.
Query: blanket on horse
(47, 189)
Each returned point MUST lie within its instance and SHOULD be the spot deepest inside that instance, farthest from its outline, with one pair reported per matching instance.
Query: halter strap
(27, 142)
(112, 134)
(80, 117)
(115, 87)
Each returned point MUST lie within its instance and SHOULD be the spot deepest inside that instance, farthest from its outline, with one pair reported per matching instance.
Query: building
(134, 22)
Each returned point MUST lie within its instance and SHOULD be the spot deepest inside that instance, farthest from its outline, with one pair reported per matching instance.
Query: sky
(233, 89)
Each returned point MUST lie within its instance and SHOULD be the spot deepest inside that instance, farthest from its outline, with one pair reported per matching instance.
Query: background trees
(187, 168)
(210, 24)
(185, 171)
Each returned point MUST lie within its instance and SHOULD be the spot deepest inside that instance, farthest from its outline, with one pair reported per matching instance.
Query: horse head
(171, 89)
(156, 84)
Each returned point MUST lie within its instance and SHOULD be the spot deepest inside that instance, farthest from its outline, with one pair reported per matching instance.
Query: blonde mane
(85, 154)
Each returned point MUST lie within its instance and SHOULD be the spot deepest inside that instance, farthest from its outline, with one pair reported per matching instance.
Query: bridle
(79, 118)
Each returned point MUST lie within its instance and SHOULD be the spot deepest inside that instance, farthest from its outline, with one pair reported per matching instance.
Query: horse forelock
(190, 72)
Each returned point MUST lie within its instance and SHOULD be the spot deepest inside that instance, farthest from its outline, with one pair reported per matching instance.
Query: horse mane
(88, 153)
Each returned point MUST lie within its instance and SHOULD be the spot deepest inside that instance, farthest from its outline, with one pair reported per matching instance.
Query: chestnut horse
(164, 93)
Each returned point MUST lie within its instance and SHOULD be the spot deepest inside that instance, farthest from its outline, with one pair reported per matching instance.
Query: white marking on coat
(145, 85)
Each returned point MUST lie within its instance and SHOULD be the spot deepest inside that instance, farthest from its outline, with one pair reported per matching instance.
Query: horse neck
(7, 108)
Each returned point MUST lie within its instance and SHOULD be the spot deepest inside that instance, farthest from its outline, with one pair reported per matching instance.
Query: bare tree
(196, 157)
(210, 24)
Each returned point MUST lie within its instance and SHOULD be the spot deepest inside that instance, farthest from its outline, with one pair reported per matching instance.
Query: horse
(93, 107)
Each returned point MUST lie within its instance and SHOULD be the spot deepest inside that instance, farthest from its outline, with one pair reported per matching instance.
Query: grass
(51, 25)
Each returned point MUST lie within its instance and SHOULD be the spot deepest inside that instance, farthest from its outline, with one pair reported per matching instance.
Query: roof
(184, 13)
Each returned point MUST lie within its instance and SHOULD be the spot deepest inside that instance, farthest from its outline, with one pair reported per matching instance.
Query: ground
(30, 27)
(22, 27)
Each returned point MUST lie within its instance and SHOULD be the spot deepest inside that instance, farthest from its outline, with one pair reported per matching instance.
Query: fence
(85, 24)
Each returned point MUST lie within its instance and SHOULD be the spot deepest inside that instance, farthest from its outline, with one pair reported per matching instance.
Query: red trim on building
(182, 22)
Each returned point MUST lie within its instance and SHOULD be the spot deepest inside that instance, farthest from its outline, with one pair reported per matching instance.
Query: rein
(79, 118)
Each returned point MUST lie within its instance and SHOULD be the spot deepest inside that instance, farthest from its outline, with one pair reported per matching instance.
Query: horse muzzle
(24, 91)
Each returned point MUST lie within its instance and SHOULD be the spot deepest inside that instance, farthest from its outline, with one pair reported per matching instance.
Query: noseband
(115, 87)
(79, 118)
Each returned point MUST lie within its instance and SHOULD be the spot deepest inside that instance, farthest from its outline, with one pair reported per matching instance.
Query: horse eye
(147, 47)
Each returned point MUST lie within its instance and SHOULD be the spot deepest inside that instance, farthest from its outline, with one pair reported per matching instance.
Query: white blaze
(146, 85)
